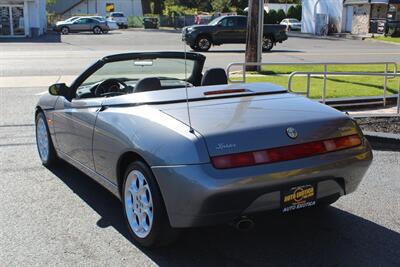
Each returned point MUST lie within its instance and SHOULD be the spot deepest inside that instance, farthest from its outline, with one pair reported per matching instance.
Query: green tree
(280, 15)
(221, 5)
(146, 7)
(50, 2)
(271, 17)
(295, 12)
(158, 6)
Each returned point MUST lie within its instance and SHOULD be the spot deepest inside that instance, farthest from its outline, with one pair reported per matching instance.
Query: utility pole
(255, 27)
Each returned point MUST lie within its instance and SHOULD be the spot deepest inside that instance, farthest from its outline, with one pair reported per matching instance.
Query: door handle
(102, 108)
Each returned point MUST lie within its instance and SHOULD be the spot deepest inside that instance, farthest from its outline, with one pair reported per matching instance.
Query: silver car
(181, 148)
(82, 24)
(292, 24)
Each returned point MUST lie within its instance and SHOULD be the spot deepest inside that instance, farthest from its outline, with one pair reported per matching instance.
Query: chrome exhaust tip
(243, 223)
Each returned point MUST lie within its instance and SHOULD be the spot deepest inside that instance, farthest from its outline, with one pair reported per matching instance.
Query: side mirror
(59, 89)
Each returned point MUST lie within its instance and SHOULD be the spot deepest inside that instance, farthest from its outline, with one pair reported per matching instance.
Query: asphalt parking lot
(54, 217)
(69, 54)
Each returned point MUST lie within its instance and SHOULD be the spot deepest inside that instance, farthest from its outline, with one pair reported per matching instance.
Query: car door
(228, 30)
(222, 31)
(91, 23)
(80, 25)
(74, 125)
(241, 29)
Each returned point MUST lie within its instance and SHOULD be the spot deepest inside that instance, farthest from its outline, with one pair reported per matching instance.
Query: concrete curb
(310, 36)
(385, 141)
(372, 115)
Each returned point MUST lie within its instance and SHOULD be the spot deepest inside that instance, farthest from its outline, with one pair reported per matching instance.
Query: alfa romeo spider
(180, 147)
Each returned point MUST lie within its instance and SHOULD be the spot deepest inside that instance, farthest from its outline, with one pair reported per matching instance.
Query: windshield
(99, 18)
(117, 15)
(294, 21)
(215, 21)
(72, 19)
(131, 70)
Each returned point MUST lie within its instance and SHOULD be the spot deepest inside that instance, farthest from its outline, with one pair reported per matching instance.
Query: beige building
(360, 15)
(22, 18)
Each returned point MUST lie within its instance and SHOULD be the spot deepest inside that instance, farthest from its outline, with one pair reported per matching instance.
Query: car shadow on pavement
(91, 33)
(243, 51)
(326, 237)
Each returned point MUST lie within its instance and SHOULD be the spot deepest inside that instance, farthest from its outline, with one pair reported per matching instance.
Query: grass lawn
(377, 68)
(337, 86)
(388, 39)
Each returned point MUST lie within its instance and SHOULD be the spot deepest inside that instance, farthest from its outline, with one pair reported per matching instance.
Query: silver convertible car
(182, 148)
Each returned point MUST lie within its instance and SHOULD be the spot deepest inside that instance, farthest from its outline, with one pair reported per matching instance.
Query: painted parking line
(42, 93)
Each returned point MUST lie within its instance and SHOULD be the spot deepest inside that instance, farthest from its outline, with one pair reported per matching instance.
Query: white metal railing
(386, 75)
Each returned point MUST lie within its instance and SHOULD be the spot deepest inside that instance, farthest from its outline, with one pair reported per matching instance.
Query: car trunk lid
(240, 124)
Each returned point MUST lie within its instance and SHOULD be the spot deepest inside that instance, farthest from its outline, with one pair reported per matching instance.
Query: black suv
(229, 30)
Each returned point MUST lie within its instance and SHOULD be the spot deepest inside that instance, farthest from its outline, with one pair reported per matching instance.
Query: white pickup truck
(120, 19)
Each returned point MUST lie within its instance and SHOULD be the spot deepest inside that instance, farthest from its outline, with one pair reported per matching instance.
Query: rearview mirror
(143, 63)
(59, 89)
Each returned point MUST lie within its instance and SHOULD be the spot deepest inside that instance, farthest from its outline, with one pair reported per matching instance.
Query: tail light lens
(285, 153)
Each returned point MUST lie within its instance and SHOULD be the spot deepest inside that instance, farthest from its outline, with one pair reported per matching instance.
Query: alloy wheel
(138, 203)
(267, 43)
(42, 139)
(64, 30)
(97, 30)
(204, 44)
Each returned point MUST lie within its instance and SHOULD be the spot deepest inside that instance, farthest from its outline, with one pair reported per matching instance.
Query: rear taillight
(227, 91)
(285, 153)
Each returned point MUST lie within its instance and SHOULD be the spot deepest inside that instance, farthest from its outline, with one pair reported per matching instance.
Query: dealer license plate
(298, 197)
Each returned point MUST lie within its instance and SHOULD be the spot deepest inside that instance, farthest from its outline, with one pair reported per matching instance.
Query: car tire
(97, 30)
(193, 47)
(141, 197)
(45, 147)
(203, 44)
(64, 30)
(268, 44)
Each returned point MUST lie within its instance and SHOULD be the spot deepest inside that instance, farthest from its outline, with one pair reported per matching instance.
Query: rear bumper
(198, 195)
(281, 37)
(122, 23)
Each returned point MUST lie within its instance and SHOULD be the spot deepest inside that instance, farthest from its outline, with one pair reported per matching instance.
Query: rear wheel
(268, 44)
(144, 209)
(64, 30)
(45, 146)
(193, 47)
(97, 30)
(203, 44)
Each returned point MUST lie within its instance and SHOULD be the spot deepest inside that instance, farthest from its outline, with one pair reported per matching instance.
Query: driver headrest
(148, 84)
(214, 76)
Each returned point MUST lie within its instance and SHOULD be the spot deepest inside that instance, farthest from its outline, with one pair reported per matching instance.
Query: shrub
(176, 10)
(271, 17)
(295, 12)
(281, 15)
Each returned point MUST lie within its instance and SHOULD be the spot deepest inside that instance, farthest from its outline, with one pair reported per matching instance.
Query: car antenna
(186, 82)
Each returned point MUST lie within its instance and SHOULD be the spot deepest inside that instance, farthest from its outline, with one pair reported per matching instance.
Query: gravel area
(385, 125)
